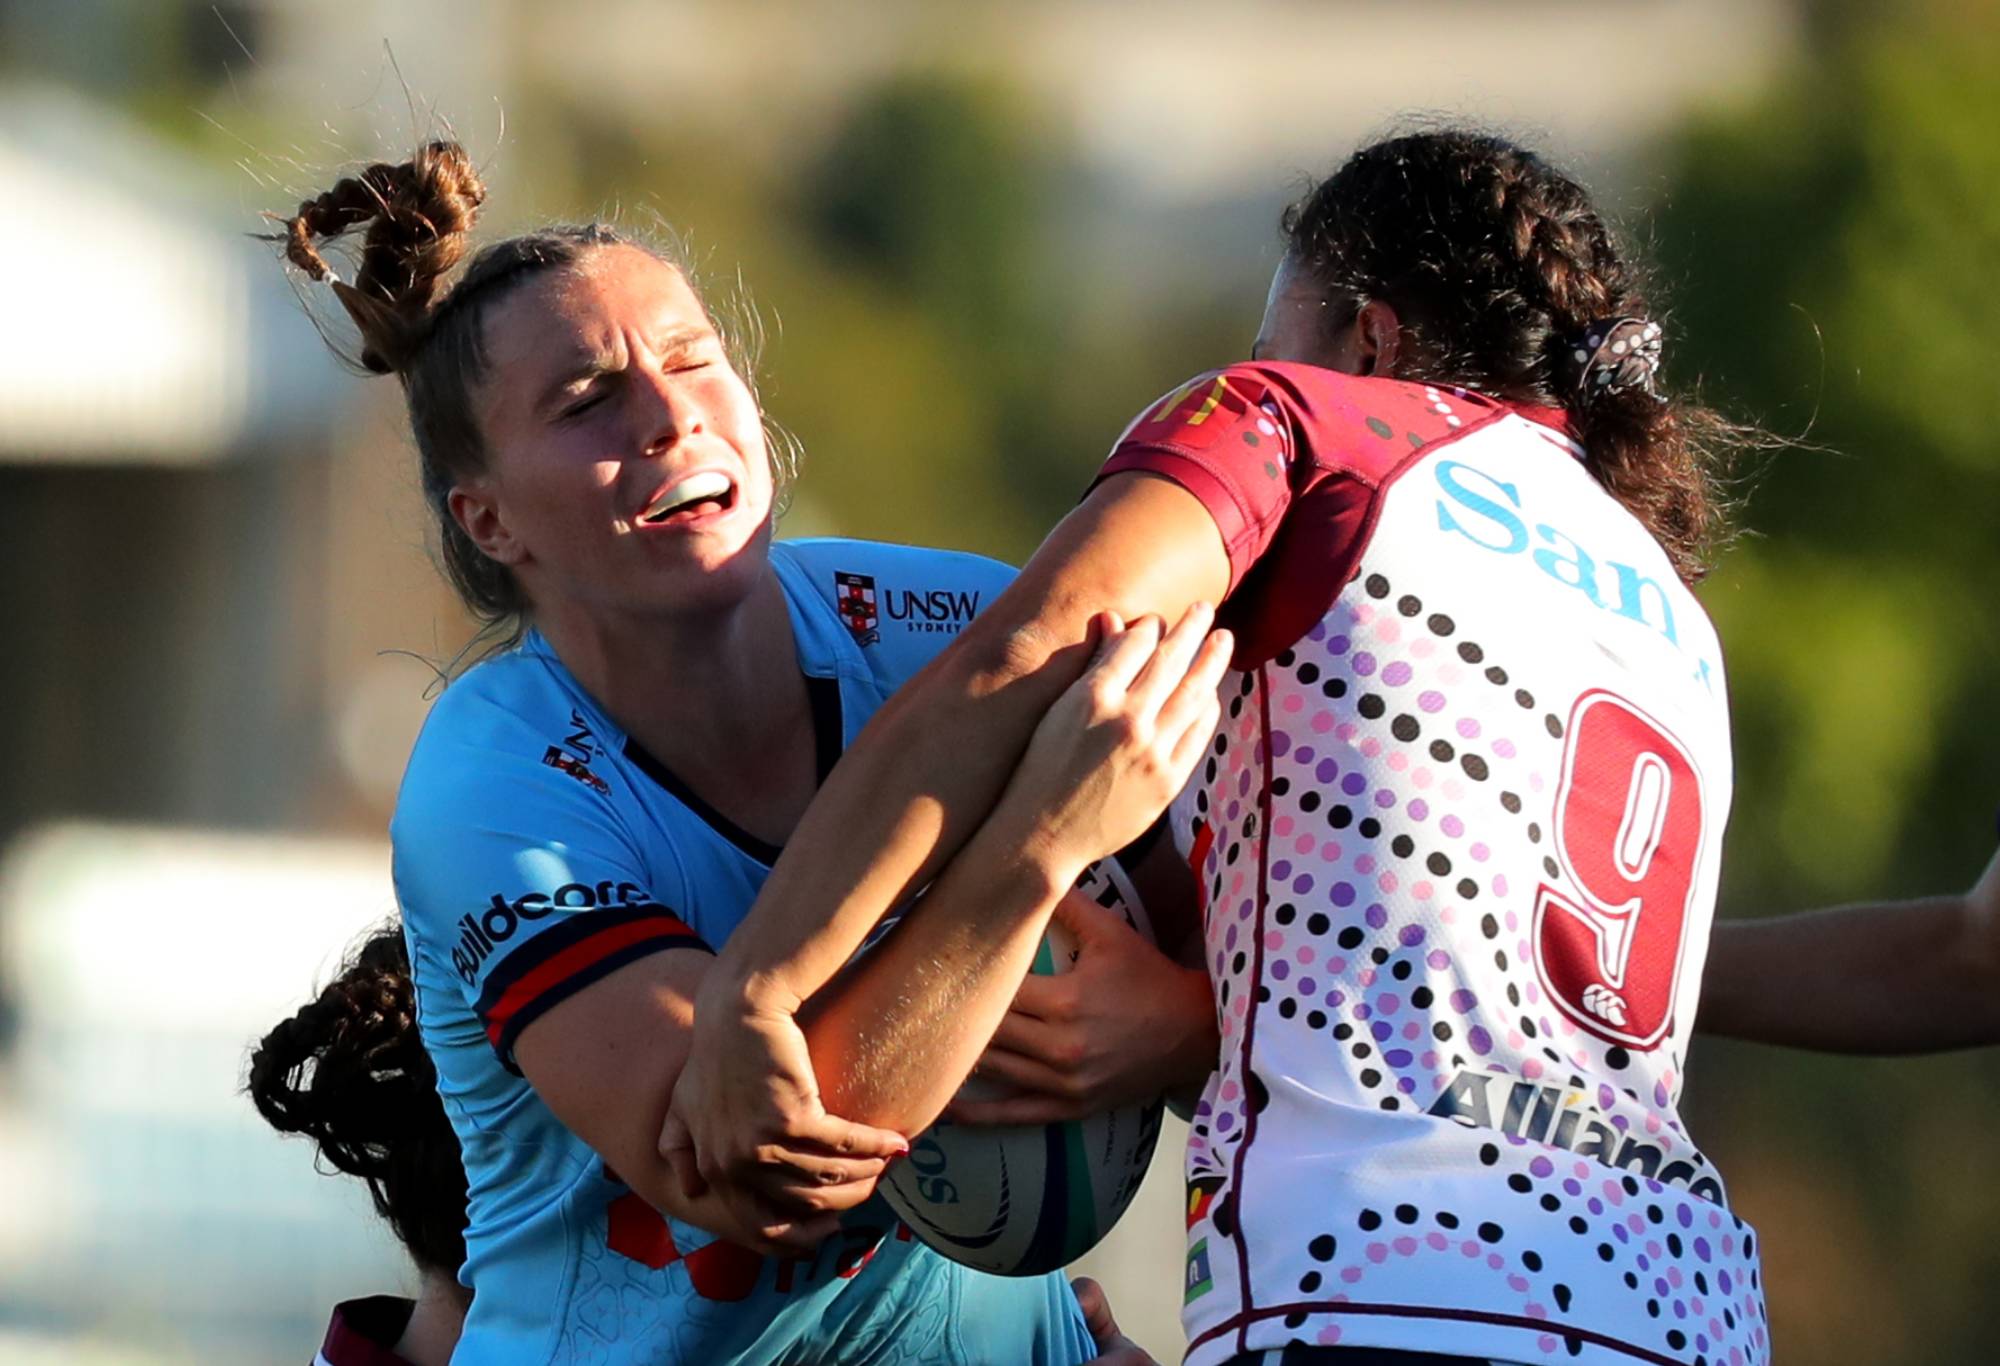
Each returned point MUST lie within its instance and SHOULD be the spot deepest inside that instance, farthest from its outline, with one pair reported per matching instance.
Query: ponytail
(349, 1071)
(1507, 281)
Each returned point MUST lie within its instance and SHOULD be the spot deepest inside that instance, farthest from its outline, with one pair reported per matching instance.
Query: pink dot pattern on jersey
(1394, 944)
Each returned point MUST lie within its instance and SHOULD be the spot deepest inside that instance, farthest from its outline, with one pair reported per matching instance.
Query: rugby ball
(1023, 1200)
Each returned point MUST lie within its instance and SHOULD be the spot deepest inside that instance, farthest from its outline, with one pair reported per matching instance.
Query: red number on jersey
(1628, 834)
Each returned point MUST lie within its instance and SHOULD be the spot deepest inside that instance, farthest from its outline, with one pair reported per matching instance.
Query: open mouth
(699, 495)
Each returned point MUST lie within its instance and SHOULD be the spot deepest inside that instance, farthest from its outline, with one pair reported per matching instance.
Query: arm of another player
(931, 764)
(1128, 1023)
(605, 1061)
(921, 777)
(1914, 976)
(897, 1033)
(1113, 1347)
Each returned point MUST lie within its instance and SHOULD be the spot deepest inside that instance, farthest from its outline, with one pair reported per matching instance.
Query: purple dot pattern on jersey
(1389, 934)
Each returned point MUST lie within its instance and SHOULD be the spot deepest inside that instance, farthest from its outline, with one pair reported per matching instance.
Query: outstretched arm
(931, 764)
(1889, 977)
(1193, 494)
(894, 1036)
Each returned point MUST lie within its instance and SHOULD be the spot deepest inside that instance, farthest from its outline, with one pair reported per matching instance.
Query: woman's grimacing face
(627, 471)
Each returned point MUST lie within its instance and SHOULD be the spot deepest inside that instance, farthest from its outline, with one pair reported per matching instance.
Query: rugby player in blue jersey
(593, 808)
(348, 1070)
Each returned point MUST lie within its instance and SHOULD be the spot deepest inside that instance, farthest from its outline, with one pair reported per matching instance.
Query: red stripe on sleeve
(577, 958)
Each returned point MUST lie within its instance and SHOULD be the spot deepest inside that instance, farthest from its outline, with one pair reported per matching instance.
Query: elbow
(1004, 654)
(853, 1084)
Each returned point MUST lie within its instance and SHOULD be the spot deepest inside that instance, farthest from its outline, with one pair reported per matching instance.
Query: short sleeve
(1229, 438)
(519, 879)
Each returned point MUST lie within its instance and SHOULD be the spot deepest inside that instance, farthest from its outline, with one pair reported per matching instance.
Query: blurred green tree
(1835, 247)
(1839, 241)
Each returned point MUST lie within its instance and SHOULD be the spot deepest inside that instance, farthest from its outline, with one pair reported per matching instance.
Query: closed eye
(691, 357)
(595, 394)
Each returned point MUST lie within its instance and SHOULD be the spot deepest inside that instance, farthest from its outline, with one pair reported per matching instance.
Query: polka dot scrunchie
(1616, 354)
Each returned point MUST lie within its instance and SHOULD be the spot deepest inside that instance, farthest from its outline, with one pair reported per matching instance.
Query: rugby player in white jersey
(1457, 841)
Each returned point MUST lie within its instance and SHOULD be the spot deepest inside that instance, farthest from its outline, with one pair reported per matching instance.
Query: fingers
(681, 1161)
(845, 1137)
(1190, 714)
(811, 1170)
(1122, 656)
(1086, 918)
(1039, 995)
(775, 1236)
(1036, 1038)
(1114, 1348)
(1170, 661)
(677, 1147)
(1028, 1073)
(1096, 1310)
(785, 1195)
(1102, 630)
(819, 1164)
(798, 1182)
(1192, 742)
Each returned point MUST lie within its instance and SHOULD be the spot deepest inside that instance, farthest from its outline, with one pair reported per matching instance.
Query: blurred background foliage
(1832, 249)
(961, 319)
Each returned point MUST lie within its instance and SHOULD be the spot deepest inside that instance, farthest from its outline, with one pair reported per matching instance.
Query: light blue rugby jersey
(536, 850)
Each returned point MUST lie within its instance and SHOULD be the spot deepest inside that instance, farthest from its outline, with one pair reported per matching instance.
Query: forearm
(605, 1062)
(932, 763)
(1197, 1041)
(903, 800)
(894, 1036)
(1895, 977)
(1203, 1040)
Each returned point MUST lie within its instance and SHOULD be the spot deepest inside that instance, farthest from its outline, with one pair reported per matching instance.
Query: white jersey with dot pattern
(1458, 850)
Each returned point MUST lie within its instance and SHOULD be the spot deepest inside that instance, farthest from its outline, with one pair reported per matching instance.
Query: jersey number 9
(1628, 836)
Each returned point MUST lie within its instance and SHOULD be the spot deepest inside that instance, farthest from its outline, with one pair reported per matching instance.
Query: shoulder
(495, 701)
(833, 563)
(516, 704)
(899, 605)
(1308, 415)
(512, 745)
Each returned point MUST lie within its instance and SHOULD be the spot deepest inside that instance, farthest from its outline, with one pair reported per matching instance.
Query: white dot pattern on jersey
(1391, 942)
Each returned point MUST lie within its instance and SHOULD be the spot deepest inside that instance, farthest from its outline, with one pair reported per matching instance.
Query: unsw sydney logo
(921, 611)
(573, 756)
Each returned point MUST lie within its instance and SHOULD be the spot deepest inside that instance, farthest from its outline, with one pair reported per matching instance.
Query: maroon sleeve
(1291, 461)
(1229, 438)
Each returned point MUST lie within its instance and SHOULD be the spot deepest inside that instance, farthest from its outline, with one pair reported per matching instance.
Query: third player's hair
(1497, 265)
(349, 1070)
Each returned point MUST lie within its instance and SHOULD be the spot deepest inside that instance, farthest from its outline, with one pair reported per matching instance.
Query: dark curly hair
(1496, 264)
(350, 1072)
